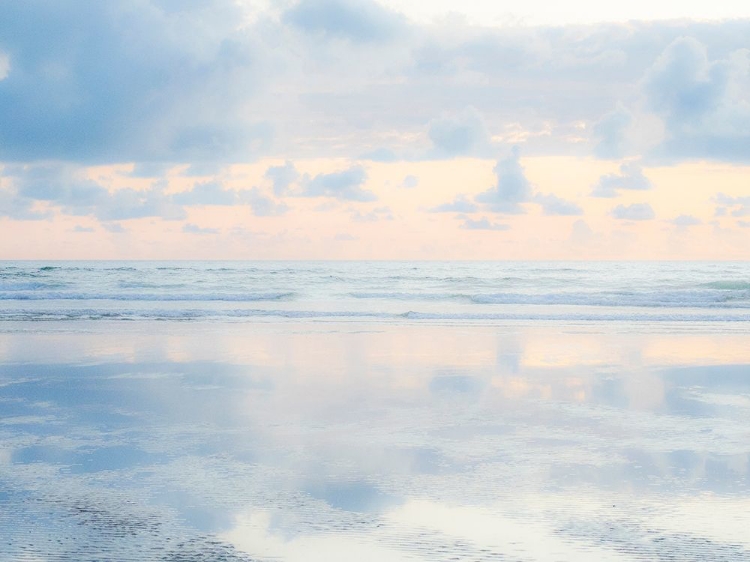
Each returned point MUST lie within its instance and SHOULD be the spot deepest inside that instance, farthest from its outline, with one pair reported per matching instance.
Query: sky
(363, 129)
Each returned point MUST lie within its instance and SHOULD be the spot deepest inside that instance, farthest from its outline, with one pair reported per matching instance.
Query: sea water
(374, 411)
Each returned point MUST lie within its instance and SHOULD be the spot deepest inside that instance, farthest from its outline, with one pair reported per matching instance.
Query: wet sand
(333, 441)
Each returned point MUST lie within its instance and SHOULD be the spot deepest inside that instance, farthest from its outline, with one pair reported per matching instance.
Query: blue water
(387, 291)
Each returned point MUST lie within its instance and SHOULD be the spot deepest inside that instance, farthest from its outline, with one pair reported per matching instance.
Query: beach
(376, 437)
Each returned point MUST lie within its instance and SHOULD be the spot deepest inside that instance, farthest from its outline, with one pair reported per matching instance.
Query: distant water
(388, 291)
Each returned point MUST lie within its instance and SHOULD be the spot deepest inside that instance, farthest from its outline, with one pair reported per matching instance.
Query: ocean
(377, 291)
(428, 411)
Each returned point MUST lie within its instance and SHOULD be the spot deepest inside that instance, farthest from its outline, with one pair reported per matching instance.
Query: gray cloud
(631, 177)
(634, 212)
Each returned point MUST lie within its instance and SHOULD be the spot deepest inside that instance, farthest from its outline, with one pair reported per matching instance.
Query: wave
(654, 299)
(250, 314)
(152, 297)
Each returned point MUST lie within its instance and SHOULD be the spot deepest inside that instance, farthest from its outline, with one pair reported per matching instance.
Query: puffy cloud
(554, 205)
(705, 103)
(482, 224)
(512, 187)
(354, 20)
(344, 185)
(459, 134)
(686, 220)
(282, 177)
(634, 212)
(459, 205)
(631, 177)
(121, 81)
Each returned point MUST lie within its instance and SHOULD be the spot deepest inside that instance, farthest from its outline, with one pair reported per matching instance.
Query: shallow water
(310, 440)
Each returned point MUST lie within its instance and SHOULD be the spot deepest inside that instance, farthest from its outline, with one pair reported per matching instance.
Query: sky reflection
(395, 442)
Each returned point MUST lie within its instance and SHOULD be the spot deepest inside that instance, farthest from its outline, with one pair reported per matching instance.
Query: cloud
(119, 81)
(459, 205)
(282, 177)
(344, 185)
(736, 206)
(634, 212)
(555, 206)
(79, 228)
(262, 205)
(459, 134)
(344, 237)
(206, 193)
(410, 182)
(4, 65)
(631, 177)
(358, 21)
(512, 187)
(195, 229)
(705, 104)
(482, 224)
(686, 220)
(377, 214)
(743, 224)
(609, 133)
